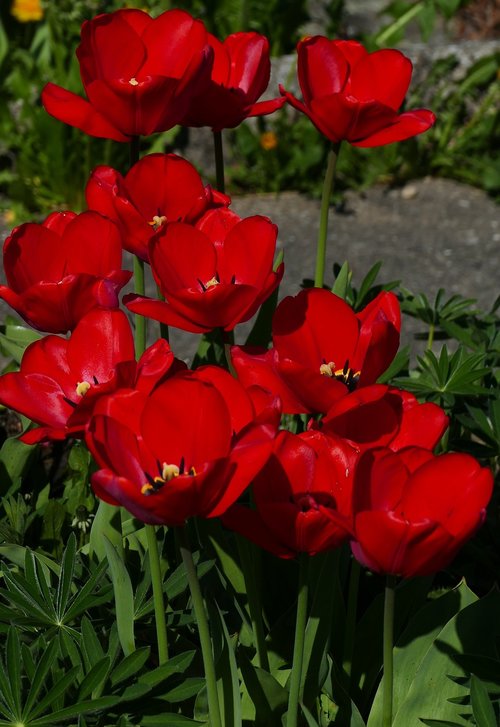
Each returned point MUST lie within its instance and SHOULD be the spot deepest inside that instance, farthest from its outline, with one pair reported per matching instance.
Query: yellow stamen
(147, 489)
(134, 82)
(82, 387)
(169, 471)
(192, 472)
(157, 221)
(213, 281)
(328, 369)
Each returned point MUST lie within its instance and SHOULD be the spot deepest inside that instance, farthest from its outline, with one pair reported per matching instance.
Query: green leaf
(61, 685)
(107, 523)
(482, 708)
(94, 679)
(13, 663)
(342, 281)
(169, 720)
(228, 682)
(413, 648)
(14, 460)
(130, 665)
(42, 669)
(91, 646)
(92, 705)
(124, 597)
(66, 577)
(474, 629)
(176, 665)
(264, 698)
(187, 689)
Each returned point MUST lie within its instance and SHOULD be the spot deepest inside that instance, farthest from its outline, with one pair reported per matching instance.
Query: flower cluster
(169, 443)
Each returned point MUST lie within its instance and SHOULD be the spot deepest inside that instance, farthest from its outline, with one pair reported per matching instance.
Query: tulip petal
(383, 76)
(406, 125)
(76, 111)
(322, 68)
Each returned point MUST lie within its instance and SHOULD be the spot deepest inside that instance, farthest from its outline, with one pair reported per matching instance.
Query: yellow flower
(26, 10)
(268, 140)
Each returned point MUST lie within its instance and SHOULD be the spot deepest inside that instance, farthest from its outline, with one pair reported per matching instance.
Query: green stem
(203, 630)
(140, 321)
(323, 219)
(388, 651)
(164, 332)
(351, 611)
(159, 603)
(430, 337)
(219, 161)
(298, 647)
(139, 287)
(248, 557)
(228, 341)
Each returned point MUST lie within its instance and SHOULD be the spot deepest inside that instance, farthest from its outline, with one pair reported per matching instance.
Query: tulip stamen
(71, 403)
(134, 82)
(82, 387)
(157, 221)
(346, 375)
(95, 380)
(212, 282)
(167, 472)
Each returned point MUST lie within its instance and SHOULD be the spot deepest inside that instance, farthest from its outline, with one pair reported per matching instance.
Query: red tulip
(352, 95)
(302, 497)
(60, 269)
(138, 73)
(413, 511)
(159, 188)
(61, 379)
(379, 416)
(189, 448)
(213, 276)
(322, 349)
(240, 75)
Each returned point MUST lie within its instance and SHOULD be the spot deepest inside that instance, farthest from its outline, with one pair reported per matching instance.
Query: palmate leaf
(456, 375)
(34, 600)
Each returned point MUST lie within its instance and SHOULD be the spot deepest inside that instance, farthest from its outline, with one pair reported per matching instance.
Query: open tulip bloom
(189, 448)
(355, 96)
(138, 74)
(158, 189)
(212, 275)
(61, 379)
(322, 350)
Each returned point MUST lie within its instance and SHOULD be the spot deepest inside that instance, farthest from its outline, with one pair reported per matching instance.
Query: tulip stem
(298, 647)
(219, 161)
(388, 651)
(351, 612)
(159, 603)
(140, 321)
(203, 630)
(323, 219)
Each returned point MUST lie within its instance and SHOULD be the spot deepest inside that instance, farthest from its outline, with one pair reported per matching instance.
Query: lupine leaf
(124, 597)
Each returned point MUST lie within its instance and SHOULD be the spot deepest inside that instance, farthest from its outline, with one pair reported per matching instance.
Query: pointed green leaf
(92, 705)
(130, 665)
(13, 663)
(66, 577)
(94, 679)
(342, 281)
(176, 665)
(482, 708)
(124, 597)
(53, 695)
(42, 669)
